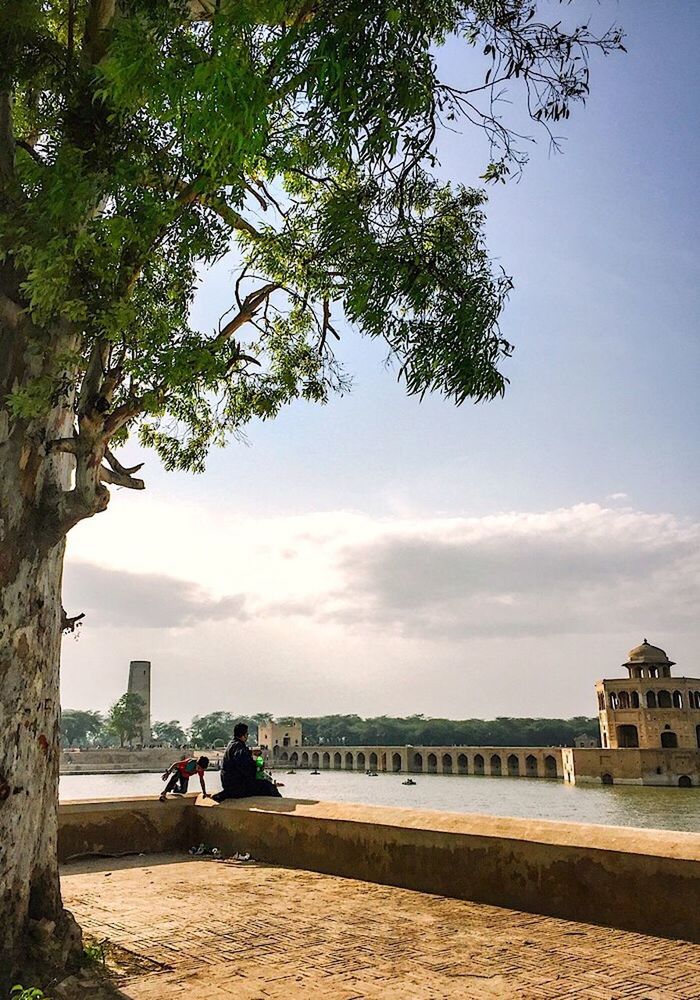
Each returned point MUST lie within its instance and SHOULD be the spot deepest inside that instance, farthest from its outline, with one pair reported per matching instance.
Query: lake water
(617, 805)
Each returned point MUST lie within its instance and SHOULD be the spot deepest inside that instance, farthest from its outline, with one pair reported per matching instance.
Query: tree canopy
(126, 717)
(139, 138)
(80, 728)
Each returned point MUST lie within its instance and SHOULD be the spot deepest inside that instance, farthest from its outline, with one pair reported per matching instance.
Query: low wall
(641, 880)
(119, 760)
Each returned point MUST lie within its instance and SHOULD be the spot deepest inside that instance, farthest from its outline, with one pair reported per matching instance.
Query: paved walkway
(206, 929)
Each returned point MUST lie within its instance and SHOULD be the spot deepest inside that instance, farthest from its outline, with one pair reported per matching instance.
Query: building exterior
(140, 684)
(649, 709)
(276, 737)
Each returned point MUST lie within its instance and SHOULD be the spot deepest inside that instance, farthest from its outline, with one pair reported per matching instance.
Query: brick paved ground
(207, 930)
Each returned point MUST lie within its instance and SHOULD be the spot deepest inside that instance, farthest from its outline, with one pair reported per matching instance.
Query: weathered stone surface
(256, 932)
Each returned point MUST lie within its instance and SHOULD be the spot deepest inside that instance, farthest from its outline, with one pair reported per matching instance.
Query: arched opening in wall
(613, 701)
(636, 671)
(651, 699)
(550, 766)
(601, 701)
(627, 736)
(677, 699)
(653, 672)
(294, 758)
(305, 759)
(665, 671)
(432, 763)
(418, 762)
(284, 758)
(513, 766)
(373, 761)
(463, 763)
(396, 762)
(496, 768)
(697, 699)
(634, 699)
(337, 761)
(664, 699)
(326, 760)
(349, 764)
(685, 781)
(624, 699)
(314, 759)
(531, 766)
(360, 762)
(606, 779)
(669, 739)
(447, 763)
(478, 764)
(382, 761)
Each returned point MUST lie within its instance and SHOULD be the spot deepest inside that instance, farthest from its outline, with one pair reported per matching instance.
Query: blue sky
(388, 524)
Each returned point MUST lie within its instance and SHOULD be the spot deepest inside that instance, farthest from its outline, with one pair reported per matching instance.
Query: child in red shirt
(182, 771)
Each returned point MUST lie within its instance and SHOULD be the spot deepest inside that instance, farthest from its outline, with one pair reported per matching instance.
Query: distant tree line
(122, 723)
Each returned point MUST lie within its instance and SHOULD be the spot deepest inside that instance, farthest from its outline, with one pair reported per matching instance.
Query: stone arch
(315, 759)
(613, 701)
(284, 757)
(294, 758)
(305, 759)
(531, 766)
(651, 699)
(664, 700)
(677, 699)
(478, 764)
(607, 778)
(447, 763)
(513, 765)
(463, 763)
(550, 766)
(634, 699)
(669, 739)
(418, 762)
(373, 761)
(685, 781)
(624, 699)
(627, 736)
(326, 760)
(337, 761)
(396, 762)
(496, 765)
(697, 699)
(432, 763)
(360, 762)
(349, 762)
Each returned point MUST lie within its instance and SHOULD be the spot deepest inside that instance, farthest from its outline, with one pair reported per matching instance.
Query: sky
(382, 555)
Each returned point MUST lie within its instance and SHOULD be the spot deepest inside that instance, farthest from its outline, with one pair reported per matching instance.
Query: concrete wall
(118, 761)
(631, 767)
(640, 880)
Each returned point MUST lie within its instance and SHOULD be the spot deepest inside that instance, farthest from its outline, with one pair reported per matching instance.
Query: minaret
(140, 684)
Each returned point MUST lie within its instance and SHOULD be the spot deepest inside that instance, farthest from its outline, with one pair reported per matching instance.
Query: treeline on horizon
(85, 729)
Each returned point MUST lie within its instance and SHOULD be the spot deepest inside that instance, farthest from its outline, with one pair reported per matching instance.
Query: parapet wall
(640, 880)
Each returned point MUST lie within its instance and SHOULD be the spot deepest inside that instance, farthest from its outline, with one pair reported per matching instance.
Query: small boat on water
(372, 774)
(315, 772)
(291, 772)
(408, 781)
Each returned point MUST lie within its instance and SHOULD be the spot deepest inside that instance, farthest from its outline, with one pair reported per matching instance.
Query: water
(630, 805)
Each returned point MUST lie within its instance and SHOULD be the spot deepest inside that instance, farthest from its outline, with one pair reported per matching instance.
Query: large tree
(79, 728)
(126, 717)
(139, 139)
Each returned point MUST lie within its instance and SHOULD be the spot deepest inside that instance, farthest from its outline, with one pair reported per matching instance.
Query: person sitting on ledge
(182, 771)
(239, 772)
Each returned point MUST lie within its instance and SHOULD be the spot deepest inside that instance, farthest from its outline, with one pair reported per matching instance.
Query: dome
(647, 653)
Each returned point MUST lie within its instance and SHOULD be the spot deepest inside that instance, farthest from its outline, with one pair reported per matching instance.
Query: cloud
(617, 496)
(118, 598)
(585, 569)
(581, 569)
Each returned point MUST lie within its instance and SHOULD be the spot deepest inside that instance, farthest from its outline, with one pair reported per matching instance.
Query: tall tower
(140, 684)
(649, 709)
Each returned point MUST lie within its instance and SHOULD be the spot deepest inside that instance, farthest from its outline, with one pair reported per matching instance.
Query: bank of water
(657, 808)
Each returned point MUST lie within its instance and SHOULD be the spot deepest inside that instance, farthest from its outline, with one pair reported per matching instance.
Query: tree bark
(36, 933)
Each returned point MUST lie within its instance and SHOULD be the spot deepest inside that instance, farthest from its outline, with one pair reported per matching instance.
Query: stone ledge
(640, 880)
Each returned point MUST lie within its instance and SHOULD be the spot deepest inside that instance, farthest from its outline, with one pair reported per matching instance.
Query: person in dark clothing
(239, 772)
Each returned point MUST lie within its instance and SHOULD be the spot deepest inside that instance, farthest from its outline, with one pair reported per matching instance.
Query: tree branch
(68, 624)
(250, 306)
(120, 479)
(7, 140)
(99, 17)
(116, 465)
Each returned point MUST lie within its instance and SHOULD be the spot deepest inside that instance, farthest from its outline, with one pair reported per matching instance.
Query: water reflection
(660, 808)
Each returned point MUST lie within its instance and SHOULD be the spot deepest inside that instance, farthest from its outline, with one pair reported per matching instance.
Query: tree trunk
(35, 931)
